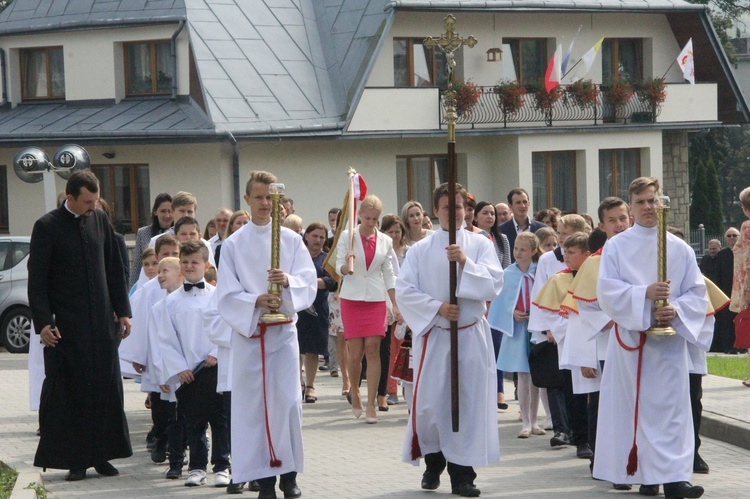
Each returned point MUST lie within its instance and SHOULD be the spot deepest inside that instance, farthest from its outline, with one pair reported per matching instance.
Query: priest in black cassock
(79, 304)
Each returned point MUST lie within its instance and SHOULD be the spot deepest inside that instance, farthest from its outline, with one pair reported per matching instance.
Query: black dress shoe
(235, 488)
(291, 490)
(699, 465)
(466, 490)
(106, 469)
(75, 475)
(267, 494)
(254, 486)
(583, 451)
(622, 486)
(680, 490)
(649, 490)
(430, 481)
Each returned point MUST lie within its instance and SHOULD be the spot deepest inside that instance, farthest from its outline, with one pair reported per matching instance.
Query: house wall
(659, 48)
(94, 66)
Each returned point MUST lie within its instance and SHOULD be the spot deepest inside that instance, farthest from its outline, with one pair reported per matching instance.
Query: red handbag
(742, 329)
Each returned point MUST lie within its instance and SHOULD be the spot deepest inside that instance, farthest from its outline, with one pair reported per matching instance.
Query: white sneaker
(195, 478)
(221, 478)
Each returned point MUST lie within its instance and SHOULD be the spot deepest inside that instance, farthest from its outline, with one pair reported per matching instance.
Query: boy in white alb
(266, 399)
(189, 357)
(422, 293)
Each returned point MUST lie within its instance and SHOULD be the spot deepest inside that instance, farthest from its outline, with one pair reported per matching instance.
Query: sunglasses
(731, 235)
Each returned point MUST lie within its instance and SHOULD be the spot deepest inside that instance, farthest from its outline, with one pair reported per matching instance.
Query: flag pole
(448, 43)
(667, 71)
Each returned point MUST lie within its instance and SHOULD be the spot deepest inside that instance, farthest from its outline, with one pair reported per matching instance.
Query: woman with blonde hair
(363, 300)
(238, 219)
(412, 215)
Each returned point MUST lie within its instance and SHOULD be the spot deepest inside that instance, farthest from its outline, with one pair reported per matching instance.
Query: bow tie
(189, 285)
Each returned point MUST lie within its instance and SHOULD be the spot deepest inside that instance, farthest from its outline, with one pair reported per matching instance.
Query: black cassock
(76, 273)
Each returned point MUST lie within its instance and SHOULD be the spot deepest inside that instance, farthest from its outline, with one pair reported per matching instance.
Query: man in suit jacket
(724, 269)
(520, 222)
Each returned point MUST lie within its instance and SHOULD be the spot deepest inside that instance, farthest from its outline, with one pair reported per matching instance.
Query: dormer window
(415, 65)
(42, 73)
(147, 68)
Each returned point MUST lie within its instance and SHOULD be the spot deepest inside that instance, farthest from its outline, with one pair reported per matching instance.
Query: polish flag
(554, 73)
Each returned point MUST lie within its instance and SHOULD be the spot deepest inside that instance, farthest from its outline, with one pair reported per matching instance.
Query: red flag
(554, 74)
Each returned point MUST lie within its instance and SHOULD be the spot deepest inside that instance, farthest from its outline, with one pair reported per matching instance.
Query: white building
(192, 95)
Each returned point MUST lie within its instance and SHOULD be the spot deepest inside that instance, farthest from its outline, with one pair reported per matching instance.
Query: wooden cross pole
(448, 43)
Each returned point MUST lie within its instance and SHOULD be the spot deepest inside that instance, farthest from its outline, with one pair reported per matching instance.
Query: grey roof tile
(258, 13)
(281, 43)
(235, 22)
(288, 16)
(260, 56)
(211, 30)
(247, 79)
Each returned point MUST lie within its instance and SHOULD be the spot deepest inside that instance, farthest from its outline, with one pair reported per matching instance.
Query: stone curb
(725, 429)
(25, 478)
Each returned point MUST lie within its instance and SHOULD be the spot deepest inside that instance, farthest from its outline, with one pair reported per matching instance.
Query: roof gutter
(713, 38)
(537, 6)
(173, 48)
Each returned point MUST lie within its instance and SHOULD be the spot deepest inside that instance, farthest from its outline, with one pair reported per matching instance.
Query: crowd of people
(551, 310)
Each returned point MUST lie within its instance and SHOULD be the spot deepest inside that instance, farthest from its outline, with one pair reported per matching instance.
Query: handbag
(742, 329)
(544, 366)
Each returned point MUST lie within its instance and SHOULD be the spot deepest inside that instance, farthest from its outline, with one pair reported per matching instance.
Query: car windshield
(20, 250)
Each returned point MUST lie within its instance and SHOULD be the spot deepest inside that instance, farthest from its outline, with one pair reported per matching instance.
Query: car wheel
(16, 330)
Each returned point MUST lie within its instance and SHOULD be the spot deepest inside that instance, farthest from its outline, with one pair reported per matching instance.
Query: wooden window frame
(134, 191)
(409, 170)
(518, 58)
(47, 55)
(616, 56)
(548, 180)
(613, 156)
(154, 72)
(410, 60)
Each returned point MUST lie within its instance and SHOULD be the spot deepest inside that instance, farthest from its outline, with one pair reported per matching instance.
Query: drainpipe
(235, 170)
(173, 48)
(3, 75)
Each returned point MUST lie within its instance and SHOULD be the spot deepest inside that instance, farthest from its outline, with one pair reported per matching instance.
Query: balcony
(422, 109)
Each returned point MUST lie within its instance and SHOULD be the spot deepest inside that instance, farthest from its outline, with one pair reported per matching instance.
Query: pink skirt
(363, 318)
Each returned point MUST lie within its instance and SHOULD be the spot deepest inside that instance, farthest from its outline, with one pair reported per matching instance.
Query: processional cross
(448, 43)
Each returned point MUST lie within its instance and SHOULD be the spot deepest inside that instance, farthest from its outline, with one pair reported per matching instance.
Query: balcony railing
(564, 110)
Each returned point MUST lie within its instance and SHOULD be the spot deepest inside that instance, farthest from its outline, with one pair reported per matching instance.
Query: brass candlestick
(277, 192)
(662, 209)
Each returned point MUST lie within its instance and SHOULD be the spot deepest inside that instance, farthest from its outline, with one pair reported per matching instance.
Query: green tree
(715, 222)
(699, 204)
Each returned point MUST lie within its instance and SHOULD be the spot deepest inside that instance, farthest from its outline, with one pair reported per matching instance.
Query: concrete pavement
(345, 458)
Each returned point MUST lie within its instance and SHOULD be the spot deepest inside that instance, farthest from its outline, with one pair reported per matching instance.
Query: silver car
(15, 315)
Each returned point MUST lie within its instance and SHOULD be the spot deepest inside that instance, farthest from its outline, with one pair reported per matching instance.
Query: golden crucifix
(448, 43)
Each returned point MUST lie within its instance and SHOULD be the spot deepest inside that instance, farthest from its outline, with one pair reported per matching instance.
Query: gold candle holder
(277, 192)
(661, 329)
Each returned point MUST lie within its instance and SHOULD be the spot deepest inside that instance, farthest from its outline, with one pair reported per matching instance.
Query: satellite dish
(69, 159)
(30, 163)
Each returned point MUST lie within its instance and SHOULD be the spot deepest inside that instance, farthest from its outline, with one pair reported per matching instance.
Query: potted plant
(617, 94)
(582, 93)
(653, 93)
(510, 96)
(544, 100)
(467, 96)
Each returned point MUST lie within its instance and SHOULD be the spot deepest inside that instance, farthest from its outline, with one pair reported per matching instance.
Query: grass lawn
(734, 367)
(7, 481)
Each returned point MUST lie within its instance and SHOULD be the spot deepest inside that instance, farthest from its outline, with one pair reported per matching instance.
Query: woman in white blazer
(363, 294)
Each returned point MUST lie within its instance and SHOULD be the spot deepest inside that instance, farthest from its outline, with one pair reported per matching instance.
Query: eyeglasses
(731, 235)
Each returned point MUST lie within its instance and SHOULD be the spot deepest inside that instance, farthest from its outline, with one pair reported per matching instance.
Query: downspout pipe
(173, 49)
(235, 170)
(4, 76)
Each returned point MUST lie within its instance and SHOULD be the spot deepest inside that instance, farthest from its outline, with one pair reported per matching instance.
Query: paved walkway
(345, 458)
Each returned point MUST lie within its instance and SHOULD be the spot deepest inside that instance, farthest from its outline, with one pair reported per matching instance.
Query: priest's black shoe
(682, 490)
(699, 465)
(649, 490)
(466, 489)
(235, 488)
(430, 480)
(106, 469)
(267, 494)
(254, 486)
(75, 475)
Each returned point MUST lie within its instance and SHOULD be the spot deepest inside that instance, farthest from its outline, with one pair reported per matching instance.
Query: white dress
(422, 286)
(665, 432)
